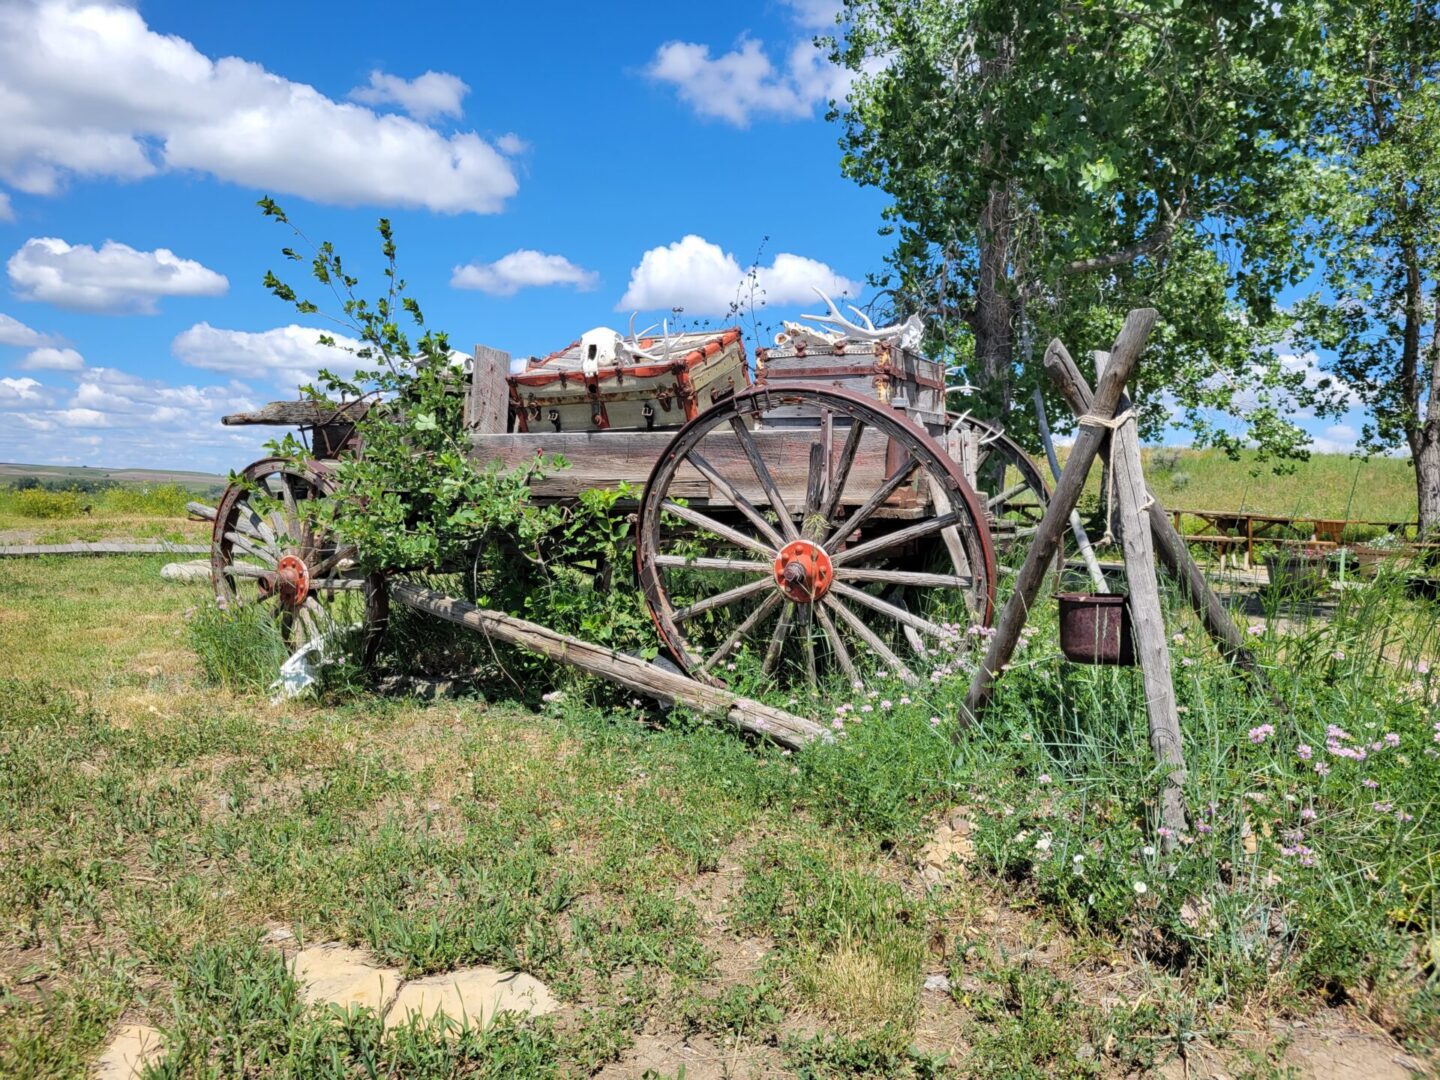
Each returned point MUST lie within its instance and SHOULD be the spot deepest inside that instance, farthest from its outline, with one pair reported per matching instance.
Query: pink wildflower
(1259, 734)
(934, 721)
(1371, 784)
(1392, 740)
(1322, 768)
(1043, 778)
(1307, 814)
(1303, 752)
(867, 708)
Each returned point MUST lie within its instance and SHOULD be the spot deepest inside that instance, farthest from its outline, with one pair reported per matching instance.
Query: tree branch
(1157, 239)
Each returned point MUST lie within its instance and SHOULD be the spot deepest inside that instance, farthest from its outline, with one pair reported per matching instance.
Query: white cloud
(14, 332)
(815, 14)
(523, 269)
(117, 278)
(289, 356)
(81, 418)
(512, 145)
(698, 276)
(7, 212)
(88, 89)
(23, 391)
(424, 97)
(744, 83)
(49, 358)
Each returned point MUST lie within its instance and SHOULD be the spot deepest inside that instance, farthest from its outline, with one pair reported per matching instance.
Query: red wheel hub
(292, 578)
(803, 571)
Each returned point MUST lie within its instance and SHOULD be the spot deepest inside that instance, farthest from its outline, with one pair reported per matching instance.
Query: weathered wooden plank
(81, 548)
(751, 716)
(297, 413)
(599, 459)
(1031, 576)
(487, 400)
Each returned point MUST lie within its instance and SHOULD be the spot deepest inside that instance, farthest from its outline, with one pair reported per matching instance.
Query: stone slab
(134, 1047)
(471, 997)
(337, 975)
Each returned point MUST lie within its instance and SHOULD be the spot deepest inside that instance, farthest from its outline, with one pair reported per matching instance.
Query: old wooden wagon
(817, 513)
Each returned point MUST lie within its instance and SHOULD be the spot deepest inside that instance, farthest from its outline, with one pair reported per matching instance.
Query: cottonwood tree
(1378, 136)
(1050, 165)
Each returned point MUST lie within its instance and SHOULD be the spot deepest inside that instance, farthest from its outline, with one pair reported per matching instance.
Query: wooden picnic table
(1229, 529)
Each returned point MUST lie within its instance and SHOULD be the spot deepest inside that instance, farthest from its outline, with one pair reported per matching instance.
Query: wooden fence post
(1082, 540)
(1031, 576)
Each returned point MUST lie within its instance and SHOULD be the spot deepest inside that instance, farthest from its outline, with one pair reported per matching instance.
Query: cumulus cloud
(23, 391)
(698, 276)
(744, 83)
(117, 278)
(14, 332)
(49, 358)
(88, 89)
(523, 269)
(424, 97)
(289, 356)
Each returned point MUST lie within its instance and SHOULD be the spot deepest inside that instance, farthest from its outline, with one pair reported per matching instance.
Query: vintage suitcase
(604, 382)
(882, 370)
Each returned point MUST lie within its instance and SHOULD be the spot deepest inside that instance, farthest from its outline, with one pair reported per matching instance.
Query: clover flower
(1259, 734)
(1303, 752)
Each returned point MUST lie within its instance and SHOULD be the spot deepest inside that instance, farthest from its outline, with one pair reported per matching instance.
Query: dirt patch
(1327, 1046)
(666, 1054)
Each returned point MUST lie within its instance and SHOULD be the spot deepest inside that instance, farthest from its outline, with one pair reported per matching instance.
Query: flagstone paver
(472, 996)
(338, 975)
(134, 1047)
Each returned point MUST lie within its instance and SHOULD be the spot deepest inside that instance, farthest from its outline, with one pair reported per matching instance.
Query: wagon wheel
(881, 559)
(263, 551)
(1012, 489)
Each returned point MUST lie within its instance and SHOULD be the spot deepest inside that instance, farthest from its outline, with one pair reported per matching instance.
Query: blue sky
(547, 167)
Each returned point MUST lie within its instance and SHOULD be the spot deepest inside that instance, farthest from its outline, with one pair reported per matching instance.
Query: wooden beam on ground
(1147, 617)
(201, 511)
(1169, 546)
(754, 717)
(1126, 351)
(1082, 539)
(160, 547)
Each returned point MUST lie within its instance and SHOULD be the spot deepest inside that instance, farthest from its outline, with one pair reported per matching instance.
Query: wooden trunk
(875, 369)
(563, 393)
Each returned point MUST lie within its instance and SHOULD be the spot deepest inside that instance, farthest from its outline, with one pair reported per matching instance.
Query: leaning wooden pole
(751, 716)
(1147, 616)
(1031, 576)
(1169, 546)
(1082, 539)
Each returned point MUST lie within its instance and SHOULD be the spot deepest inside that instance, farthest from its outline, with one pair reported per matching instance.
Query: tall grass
(44, 503)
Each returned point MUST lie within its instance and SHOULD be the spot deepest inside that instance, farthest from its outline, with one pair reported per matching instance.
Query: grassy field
(1327, 485)
(85, 474)
(120, 512)
(886, 904)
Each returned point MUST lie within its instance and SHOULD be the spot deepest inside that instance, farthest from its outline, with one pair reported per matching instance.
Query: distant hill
(51, 473)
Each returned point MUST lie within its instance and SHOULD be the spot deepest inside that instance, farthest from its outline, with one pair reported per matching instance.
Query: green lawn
(676, 886)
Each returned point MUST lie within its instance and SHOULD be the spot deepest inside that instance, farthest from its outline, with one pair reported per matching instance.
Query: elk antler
(909, 332)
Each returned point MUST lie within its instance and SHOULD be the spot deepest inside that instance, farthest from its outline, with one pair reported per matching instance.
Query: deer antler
(908, 333)
(868, 324)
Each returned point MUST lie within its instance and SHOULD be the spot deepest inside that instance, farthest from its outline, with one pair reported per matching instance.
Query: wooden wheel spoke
(848, 527)
(777, 639)
(744, 505)
(892, 611)
(339, 584)
(899, 536)
(741, 566)
(807, 645)
(292, 511)
(246, 570)
(709, 524)
(870, 638)
(837, 643)
(754, 619)
(729, 596)
(1006, 495)
(339, 555)
(842, 470)
(251, 548)
(762, 474)
(917, 578)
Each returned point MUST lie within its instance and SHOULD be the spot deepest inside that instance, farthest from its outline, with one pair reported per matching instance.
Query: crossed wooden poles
(1145, 533)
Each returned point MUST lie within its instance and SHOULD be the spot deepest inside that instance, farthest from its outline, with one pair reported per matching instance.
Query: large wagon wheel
(1012, 489)
(264, 551)
(882, 559)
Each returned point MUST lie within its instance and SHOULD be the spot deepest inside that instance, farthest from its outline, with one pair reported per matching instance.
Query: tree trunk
(1424, 433)
(993, 319)
(1427, 476)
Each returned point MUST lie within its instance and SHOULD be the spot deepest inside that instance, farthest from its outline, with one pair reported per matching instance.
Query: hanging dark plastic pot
(1095, 628)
